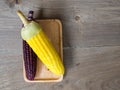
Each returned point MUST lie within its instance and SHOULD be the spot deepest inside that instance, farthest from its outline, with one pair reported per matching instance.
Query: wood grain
(91, 40)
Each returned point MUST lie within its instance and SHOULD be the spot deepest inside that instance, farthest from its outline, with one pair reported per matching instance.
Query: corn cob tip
(22, 17)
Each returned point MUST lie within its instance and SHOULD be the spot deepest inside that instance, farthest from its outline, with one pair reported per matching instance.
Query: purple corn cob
(30, 58)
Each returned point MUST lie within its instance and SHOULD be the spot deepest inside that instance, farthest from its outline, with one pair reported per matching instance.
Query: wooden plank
(86, 68)
(85, 23)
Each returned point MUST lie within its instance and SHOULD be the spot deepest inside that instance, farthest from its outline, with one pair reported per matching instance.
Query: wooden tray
(53, 29)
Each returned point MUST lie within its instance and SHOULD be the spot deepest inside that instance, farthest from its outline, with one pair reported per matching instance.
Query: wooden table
(91, 40)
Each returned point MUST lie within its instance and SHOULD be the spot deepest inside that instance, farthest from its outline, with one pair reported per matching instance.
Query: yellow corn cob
(46, 52)
(41, 45)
